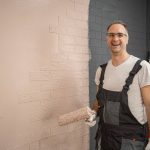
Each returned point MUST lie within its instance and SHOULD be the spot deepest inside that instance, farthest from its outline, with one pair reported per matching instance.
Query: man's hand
(95, 106)
(148, 145)
(91, 120)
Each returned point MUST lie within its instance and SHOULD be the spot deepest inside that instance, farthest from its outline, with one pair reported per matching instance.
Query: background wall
(44, 73)
(148, 30)
(101, 13)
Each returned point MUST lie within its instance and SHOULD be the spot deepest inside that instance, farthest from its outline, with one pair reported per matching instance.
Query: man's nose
(115, 37)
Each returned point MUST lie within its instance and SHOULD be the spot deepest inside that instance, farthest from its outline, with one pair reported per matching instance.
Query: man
(123, 96)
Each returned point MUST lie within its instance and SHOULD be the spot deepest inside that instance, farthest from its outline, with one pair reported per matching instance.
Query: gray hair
(118, 22)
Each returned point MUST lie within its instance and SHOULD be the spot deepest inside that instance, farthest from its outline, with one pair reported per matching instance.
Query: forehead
(117, 28)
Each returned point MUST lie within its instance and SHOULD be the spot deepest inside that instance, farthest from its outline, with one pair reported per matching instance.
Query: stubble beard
(116, 50)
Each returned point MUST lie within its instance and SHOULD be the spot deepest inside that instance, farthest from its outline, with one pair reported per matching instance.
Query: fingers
(92, 115)
(90, 111)
(91, 124)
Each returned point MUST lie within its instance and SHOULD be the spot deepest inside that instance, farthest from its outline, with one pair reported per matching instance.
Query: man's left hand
(148, 145)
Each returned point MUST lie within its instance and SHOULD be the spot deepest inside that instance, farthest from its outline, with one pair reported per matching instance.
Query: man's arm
(97, 88)
(95, 105)
(146, 98)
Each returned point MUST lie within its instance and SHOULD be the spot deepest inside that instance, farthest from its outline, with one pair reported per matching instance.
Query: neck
(119, 59)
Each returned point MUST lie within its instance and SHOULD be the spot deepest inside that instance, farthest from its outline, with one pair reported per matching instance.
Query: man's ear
(127, 40)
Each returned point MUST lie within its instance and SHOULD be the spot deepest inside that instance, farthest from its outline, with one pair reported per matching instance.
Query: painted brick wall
(44, 73)
(101, 13)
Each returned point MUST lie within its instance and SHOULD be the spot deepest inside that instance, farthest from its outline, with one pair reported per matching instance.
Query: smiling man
(123, 95)
(117, 39)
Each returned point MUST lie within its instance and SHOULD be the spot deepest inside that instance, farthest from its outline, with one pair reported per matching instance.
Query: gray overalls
(118, 128)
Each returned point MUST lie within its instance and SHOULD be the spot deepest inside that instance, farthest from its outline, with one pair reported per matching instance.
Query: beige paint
(44, 73)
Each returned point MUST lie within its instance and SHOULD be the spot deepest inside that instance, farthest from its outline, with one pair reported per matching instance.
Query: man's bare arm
(95, 105)
(97, 88)
(146, 98)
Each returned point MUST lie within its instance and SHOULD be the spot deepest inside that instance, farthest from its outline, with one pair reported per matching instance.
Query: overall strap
(132, 73)
(103, 66)
(100, 111)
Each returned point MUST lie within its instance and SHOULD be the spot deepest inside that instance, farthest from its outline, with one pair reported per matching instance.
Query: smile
(115, 44)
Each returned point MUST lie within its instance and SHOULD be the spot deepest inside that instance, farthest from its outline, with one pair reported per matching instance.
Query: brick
(81, 41)
(86, 2)
(81, 8)
(68, 39)
(58, 130)
(76, 23)
(81, 49)
(44, 85)
(79, 58)
(58, 58)
(35, 146)
(23, 147)
(77, 15)
(51, 44)
(74, 126)
(34, 96)
(30, 111)
(48, 108)
(38, 133)
(73, 31)
(49, 143)
(53, 29)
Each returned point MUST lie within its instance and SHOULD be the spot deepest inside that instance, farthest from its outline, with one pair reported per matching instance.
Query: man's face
(117, 38)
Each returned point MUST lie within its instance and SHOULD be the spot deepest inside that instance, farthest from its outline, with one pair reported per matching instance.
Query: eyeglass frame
(119, 35)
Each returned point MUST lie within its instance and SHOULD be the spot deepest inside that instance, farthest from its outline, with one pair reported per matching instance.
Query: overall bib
(118, 129)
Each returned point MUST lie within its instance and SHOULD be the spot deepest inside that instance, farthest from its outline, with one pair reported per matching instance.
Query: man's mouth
(115, 44)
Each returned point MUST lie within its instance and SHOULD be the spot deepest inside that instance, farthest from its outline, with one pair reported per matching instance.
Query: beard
(117, 50)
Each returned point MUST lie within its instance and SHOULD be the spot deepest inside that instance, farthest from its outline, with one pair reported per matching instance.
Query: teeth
(115, 45)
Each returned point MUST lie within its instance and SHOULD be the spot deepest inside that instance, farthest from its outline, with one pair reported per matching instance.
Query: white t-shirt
(114, 80)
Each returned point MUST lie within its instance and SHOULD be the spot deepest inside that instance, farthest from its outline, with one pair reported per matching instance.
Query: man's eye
(120, 35)
(111, 34)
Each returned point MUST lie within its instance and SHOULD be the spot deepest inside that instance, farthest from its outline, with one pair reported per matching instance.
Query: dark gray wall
(148, 30)
(101, 13)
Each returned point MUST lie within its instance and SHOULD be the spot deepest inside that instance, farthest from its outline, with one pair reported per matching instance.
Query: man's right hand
(92, 115)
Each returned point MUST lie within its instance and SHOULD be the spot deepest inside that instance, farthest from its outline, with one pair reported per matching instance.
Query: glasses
(119, 35)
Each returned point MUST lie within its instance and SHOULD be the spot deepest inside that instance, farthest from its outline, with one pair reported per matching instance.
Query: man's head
(117, 37)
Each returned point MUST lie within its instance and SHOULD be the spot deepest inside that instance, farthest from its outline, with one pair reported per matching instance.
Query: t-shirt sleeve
(144, 76)
(97, 75)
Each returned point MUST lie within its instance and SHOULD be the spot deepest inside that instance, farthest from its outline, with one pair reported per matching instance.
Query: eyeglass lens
(120, 35)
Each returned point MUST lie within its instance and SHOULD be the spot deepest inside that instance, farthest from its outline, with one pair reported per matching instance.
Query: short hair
(118, 22)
